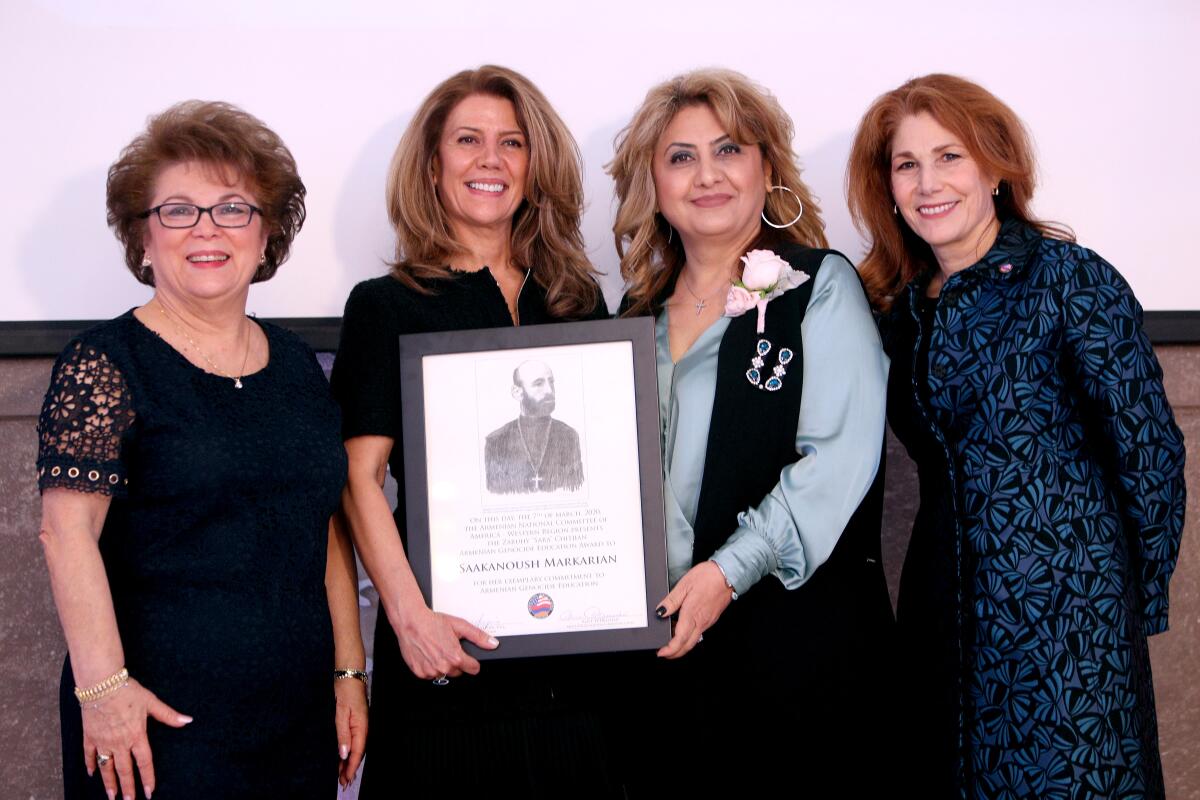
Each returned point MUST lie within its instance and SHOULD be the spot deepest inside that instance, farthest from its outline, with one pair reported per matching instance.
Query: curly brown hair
(650, 260)
(545, 232)
(992, 133)
(229, 140)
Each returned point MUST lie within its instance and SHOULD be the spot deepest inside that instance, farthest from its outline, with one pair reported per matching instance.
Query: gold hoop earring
(787, 224)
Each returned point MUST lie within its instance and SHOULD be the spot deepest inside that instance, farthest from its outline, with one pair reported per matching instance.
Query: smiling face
(482, 161)
(204, 262)
(708, 186)
(941, 192)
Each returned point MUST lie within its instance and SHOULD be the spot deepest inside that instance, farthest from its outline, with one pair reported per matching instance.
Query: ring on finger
(103, 758)
(441, 680)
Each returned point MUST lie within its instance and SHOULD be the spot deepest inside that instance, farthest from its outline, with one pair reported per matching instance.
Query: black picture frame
(491, 344)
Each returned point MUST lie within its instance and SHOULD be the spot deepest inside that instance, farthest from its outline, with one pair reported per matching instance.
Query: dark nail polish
(660, 612)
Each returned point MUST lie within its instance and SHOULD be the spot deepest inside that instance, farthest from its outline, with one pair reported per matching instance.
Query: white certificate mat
(544, 558)
(533, 483)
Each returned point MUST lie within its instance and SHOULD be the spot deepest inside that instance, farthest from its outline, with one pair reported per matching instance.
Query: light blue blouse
(839, 437)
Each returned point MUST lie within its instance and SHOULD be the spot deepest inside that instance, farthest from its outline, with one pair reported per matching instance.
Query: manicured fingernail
(345, 751)
(90, 773)
(493, 641)
(184, 719)
(148, 792)
(111, 794)
(660, 612)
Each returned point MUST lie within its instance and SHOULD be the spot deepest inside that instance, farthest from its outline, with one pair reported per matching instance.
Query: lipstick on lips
(491, 188)
(712, 200)
(208, 259)
(936, 210)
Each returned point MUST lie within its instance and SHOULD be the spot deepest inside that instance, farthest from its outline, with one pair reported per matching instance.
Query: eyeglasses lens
(225, 215)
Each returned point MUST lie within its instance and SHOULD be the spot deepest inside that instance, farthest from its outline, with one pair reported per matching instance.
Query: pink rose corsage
(765, 276)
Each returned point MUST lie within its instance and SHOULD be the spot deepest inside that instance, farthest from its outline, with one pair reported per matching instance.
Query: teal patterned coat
(1052, 502)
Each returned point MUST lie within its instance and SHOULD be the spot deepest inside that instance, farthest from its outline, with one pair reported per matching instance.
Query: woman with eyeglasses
(190, 465)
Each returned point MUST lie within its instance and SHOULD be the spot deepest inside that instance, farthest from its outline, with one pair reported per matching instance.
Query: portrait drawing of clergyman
(534, 452)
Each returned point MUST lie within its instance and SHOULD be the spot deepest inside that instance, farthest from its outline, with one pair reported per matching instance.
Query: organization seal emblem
(540, 605)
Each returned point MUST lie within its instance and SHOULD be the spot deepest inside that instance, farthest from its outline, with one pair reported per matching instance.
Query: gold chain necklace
(237, 379)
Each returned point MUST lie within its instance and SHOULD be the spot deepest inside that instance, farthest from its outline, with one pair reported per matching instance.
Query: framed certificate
(533, 483)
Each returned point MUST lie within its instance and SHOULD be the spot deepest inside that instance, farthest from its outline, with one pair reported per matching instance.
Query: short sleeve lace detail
(86, 413)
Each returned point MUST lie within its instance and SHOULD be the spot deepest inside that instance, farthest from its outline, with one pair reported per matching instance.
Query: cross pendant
(700, 306)
(537, 482)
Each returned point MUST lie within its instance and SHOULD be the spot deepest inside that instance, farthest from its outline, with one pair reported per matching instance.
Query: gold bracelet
(110, 685)
(343, 674)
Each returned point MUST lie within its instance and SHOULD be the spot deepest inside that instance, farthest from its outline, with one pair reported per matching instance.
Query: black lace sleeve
(86, 414)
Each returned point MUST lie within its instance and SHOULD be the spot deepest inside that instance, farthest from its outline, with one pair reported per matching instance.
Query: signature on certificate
(593, 616)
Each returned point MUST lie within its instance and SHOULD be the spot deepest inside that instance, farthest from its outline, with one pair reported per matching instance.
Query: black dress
(529, 725)
(215, 549)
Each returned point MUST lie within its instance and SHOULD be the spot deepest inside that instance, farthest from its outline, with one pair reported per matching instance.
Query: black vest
(783, 679)
(844, 608)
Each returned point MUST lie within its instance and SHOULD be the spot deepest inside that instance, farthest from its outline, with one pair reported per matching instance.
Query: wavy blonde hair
(650, 257)
(545, 234)
(992, 133)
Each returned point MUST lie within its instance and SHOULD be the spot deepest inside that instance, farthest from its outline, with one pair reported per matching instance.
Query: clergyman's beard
(535, 408)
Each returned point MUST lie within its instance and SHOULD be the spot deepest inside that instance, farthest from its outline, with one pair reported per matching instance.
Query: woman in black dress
(189, 464)
(485, 193)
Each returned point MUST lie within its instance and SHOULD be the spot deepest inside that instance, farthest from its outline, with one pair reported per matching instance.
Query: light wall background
(1108, 89)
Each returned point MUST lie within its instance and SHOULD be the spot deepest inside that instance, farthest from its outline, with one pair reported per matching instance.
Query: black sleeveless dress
(215, 548)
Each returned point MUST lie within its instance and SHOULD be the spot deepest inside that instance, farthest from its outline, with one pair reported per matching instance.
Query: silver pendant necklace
(701, 302)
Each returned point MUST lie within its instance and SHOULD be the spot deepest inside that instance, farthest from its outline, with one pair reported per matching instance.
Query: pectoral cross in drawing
(537, 482)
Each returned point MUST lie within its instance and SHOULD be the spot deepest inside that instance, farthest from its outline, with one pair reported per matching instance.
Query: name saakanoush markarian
(538, 563)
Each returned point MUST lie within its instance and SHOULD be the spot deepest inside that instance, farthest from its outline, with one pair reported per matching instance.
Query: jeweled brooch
(755, 374)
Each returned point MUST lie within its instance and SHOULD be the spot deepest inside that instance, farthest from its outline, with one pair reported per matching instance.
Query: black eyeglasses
(186, 215)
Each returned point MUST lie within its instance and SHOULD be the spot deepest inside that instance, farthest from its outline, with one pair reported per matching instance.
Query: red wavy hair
(991, 132)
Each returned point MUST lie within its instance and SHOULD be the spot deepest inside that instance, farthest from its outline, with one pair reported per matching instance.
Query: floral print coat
(1052, 502)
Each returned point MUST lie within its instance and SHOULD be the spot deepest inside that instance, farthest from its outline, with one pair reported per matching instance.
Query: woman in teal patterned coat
(1051, 468)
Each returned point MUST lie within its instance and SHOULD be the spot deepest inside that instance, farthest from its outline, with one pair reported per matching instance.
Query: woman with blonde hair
(485, 194)
(1051, 468)
(771, 392)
